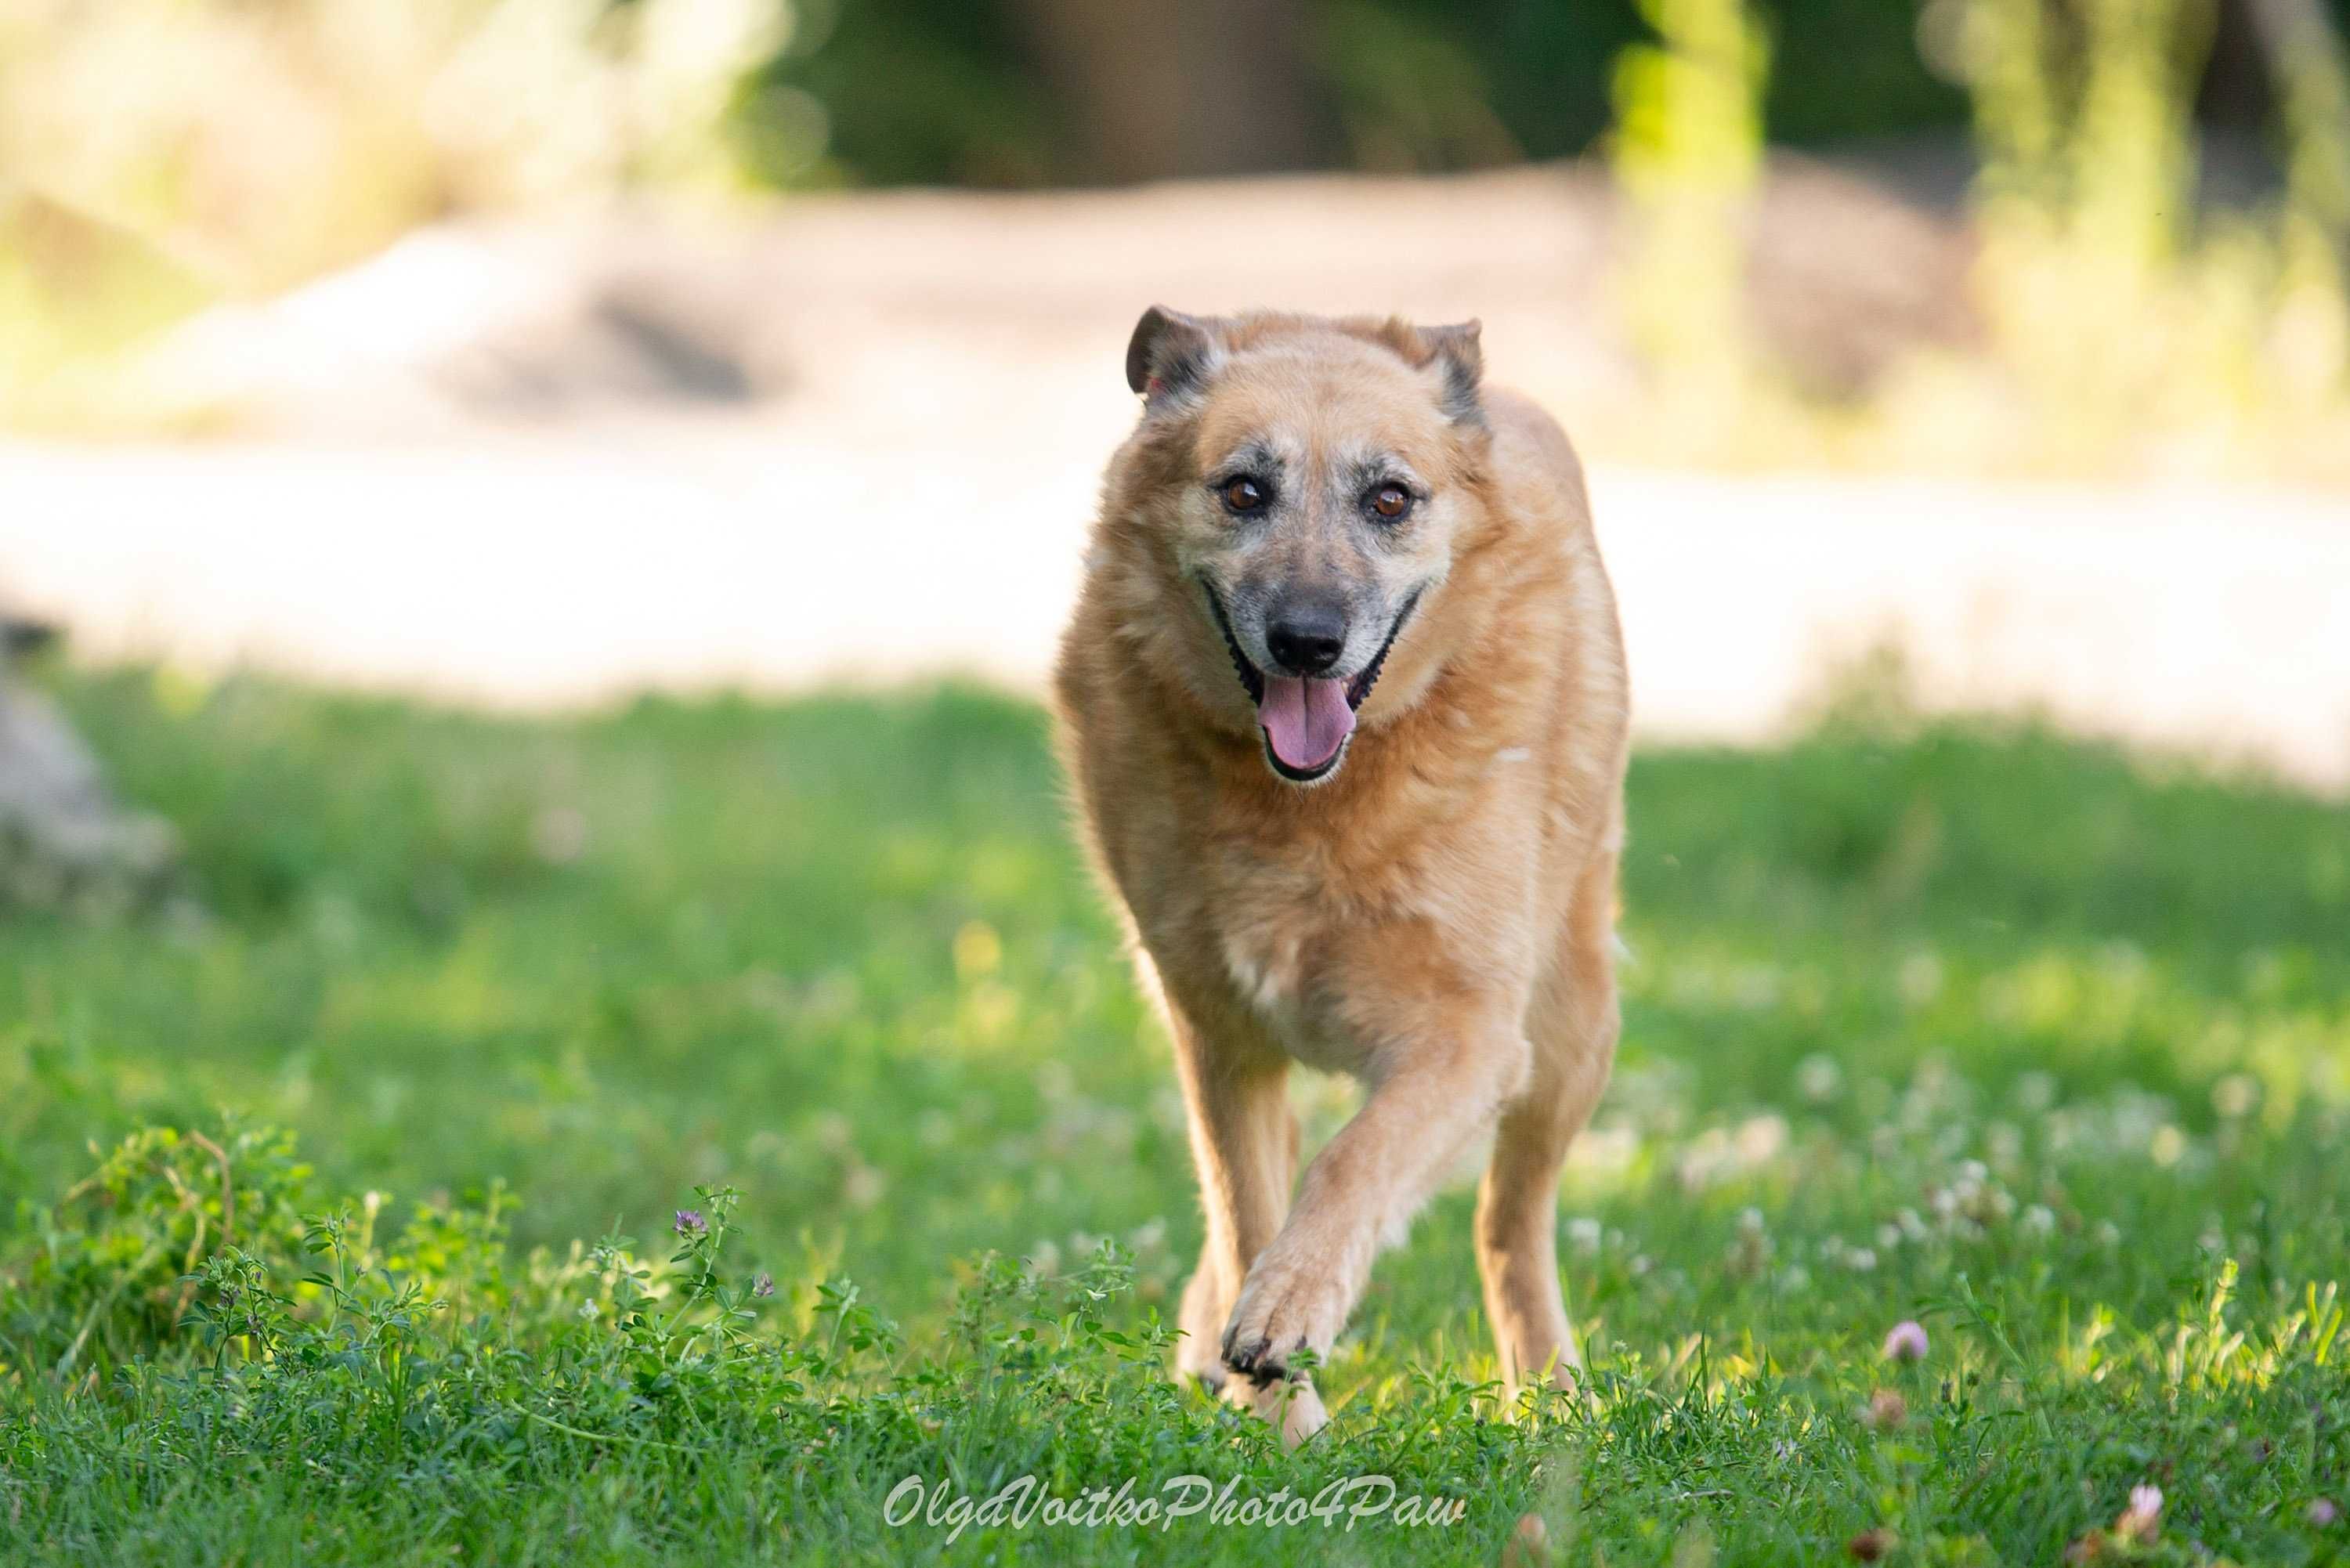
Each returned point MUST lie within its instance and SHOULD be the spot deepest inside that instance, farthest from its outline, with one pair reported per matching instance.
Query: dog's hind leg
(1572, 1028)
(1244, 1145)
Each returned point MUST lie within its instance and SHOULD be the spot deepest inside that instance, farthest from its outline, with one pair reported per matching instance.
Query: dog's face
(1315, 481)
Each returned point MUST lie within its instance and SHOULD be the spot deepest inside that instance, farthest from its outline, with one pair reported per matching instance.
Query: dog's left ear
(1459, 363)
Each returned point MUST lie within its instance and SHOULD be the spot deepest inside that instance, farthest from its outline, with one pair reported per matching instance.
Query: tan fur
(1436, 919)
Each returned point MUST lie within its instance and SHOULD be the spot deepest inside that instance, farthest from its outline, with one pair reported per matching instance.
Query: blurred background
(536, 352)
(547, 518)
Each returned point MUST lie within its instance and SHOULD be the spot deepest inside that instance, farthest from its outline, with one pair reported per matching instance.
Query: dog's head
(1311, 485)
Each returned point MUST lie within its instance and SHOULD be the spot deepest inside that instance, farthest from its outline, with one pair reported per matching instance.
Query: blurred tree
(903, 92)
(2312, 80)
(1021, 92)
(1204, 88)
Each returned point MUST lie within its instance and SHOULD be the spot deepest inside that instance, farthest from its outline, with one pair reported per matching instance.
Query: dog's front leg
(1244, 1146)
(1436, 1096)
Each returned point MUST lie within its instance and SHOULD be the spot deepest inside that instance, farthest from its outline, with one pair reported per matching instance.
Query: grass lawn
(2045, 1049)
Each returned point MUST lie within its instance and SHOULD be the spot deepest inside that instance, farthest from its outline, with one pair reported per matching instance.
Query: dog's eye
(1390, 501)
(1244, 495)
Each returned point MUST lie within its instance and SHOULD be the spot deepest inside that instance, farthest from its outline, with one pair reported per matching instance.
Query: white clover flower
(1584, 1233)
(863, 1186)
(1818, 1077)
(1861, 1260)
(2038, 1220)
(2142, 1519)
(1888, 1237)
(2235, 1095)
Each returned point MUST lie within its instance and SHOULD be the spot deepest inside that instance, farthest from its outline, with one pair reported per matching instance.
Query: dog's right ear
(1171, 354)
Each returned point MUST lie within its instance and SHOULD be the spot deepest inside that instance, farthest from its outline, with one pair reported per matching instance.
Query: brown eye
(1244, 495)
(1390, 501)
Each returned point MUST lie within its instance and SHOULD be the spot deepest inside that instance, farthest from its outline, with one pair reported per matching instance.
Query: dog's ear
(1172, 353)
(1460, 364)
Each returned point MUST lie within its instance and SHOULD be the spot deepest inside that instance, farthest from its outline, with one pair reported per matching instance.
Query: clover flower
(2142, 1519)
(1906, 1340)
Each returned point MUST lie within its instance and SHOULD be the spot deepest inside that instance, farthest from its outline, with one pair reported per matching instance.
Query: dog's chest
(1278, 976)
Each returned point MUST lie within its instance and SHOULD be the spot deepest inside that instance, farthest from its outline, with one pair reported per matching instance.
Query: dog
(1343, 706)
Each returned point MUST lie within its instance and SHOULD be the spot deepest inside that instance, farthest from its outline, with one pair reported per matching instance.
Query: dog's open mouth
(1306, 720)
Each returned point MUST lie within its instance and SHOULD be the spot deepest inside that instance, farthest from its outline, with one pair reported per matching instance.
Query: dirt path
(556, 571)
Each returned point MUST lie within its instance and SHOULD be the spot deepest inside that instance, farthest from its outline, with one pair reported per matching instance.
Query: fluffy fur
(1435, 917)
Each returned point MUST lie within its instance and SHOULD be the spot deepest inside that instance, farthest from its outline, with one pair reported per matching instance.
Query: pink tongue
(1306, 720)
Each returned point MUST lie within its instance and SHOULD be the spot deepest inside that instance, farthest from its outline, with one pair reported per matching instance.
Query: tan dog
(1344, 703)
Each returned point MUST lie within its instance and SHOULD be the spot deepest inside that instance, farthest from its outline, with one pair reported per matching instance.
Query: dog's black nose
(1305, 637)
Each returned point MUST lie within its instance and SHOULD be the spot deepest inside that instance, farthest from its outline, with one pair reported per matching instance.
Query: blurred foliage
(1687, 156)
(938, 91)
(262, 142)
(908, 92)
(2123, 319)
(155, 155)
(2130, 326)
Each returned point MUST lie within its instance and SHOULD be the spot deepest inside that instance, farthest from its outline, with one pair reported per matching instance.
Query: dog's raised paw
(1256, 1360)
(1280, 1310)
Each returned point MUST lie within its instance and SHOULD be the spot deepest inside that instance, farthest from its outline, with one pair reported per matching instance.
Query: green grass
(2048, 1049)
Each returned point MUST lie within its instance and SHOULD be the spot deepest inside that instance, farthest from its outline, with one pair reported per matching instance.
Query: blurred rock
(460, 326)
(1847, 278)
(64, 840)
